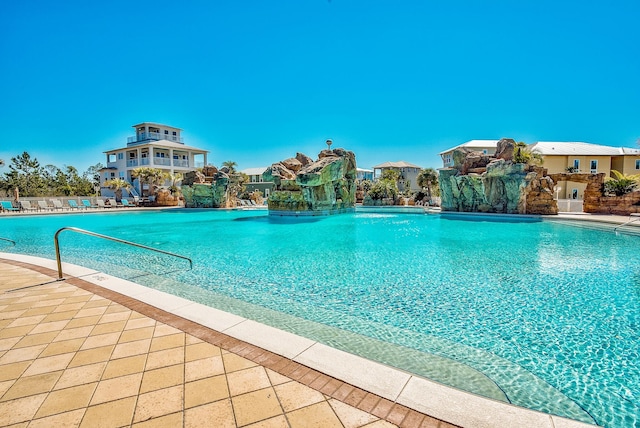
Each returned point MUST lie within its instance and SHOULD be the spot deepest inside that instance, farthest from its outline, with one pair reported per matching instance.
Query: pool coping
(414, 392)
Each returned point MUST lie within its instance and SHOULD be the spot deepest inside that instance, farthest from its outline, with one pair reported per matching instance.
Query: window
(576, 164)
(111, 157)
(121, 174)
(174, 133)
(120, 156)
(637, 163)
(594, 167)
(166, 132)
(113, 175)
(484, 151)
(574, 194)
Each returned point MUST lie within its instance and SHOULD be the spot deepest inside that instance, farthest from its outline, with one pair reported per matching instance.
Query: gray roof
(254, 171)
(474, 144)
(578, 148)
(399, 164)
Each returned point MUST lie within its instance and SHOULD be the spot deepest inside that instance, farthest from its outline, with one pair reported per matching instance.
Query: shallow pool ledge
(440, 401)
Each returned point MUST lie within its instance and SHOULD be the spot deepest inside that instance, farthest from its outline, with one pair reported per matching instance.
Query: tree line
(34, 180)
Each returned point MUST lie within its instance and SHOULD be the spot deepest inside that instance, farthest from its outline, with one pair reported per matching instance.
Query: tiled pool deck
(94, 350)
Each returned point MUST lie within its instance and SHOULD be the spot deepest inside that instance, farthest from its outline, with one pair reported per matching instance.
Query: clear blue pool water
(544, 315)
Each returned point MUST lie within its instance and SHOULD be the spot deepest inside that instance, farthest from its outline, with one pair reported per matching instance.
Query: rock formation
(307, 187)
(206, 189)
(495, 184)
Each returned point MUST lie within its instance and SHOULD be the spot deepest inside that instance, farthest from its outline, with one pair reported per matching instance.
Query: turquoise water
(540, 314)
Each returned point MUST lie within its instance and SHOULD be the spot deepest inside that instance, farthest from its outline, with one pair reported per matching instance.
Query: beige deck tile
(162, 378)
(100, 340)
(49, 302)
(256, 406)
(6, 344)
(169, 421)
(83, 322)
(218, 414)
(205, 367)
(125, 366)
(276, 378)
(75, 306)
(32, 385)
(91, 312)
(294, 395)
(384, 424)
(5, 385)
(167, 357)
(20, 410)
(233, 362)
(90, 356)
(21, 354)
(73, 333)
(110, 327)
(22, 321)
(64, 400)
(166, 342)
(22, 330)
(46, 327)
(136, 334)
(118, 316)
(67, 419)
(158, 403)
(59, 316)
(36, 339)
(319, 415)
(112, 307)
(350, 416)
(136, 315)
(201, 350)
(13, 370)
(133, 324)
(80, 375)
(131, 348)
(192, 340)
(39, 311)
(5, 315)
(205, 391)
(57, 348)
(49, 364)
(277, 422)
(165, 330)
(247, 380)
(117, 388)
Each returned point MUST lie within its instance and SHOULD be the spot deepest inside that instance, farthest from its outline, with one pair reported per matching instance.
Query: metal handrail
(97, 235)
(630, 221)
(8, 240)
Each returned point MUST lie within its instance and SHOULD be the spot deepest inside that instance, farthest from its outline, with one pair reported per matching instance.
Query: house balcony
(143, 137)
(180, 163)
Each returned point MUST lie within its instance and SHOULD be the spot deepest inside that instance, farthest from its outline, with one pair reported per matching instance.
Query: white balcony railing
(182, 163)
(162, 161)
(132, 162)
(155, 136)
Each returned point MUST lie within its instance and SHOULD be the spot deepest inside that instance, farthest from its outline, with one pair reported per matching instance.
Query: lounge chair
(87, 204)
(8, 206)
(113, 203)
(26, 206)
(125, 202)
(57, 204)
(73, 204)
(44, 206)
(100, 203)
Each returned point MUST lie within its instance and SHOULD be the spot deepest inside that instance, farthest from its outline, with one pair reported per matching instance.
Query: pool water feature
(540, 314)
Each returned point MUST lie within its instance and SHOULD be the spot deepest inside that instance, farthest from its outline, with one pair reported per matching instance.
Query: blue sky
(257, 81)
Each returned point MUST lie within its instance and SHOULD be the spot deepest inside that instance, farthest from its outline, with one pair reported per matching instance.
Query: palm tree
(426, 178)
(621, 184)
(117, 184)
(523, 154)
(230, 165)
(152, 176)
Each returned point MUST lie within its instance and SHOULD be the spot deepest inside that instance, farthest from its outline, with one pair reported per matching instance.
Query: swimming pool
(539, 314)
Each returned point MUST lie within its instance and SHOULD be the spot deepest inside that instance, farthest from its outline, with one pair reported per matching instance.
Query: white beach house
(155, 146)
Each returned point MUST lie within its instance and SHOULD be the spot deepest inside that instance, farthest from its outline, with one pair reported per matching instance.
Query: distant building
(585, 158)
(155, 146)
(256, 181)
(364, 174)
(408, 173)
(487, 147)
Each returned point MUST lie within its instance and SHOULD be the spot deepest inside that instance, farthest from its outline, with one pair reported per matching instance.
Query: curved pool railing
(110, 238)
(8, 240)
